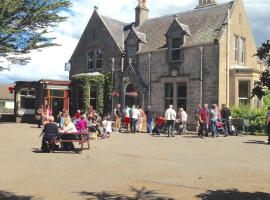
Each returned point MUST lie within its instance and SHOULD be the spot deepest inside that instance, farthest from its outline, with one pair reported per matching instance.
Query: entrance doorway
(57, 106)
(132, 97)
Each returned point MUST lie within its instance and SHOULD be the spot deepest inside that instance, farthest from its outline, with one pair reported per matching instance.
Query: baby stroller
(124, 126)
(220, 126)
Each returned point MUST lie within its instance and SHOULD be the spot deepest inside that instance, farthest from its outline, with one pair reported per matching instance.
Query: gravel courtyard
(135, 166)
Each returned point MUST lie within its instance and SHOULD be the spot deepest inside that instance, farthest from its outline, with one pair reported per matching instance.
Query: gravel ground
(135, 166)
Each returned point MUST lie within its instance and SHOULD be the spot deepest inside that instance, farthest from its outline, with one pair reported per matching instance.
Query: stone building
(197, 56)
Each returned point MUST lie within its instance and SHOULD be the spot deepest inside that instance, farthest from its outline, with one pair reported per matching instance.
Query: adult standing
(197, 121)
(134, 118)
(182, 115)
(267, 123)
(204, 121)
(127, 118)
(226, 114)
(141, 120)
(170, 116)
(213, 119)
(149, 116)
(40, 115)
(117, 117)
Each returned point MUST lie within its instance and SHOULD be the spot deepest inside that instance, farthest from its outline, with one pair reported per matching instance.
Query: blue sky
(49, 63)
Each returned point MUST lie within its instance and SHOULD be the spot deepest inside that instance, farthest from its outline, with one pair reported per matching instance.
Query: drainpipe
(149, 79)
(113, 60)
(228, 62)
(201, 76)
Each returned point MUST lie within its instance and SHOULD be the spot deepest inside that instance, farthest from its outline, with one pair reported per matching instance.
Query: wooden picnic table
(80, 137)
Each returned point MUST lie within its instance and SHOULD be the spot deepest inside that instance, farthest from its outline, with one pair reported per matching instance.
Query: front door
(57, 106)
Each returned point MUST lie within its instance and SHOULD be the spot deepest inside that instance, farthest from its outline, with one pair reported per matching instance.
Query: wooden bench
(84, 137)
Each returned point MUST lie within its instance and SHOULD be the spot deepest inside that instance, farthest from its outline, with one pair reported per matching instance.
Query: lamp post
(149, 79)
(113, 69)
(201, 76)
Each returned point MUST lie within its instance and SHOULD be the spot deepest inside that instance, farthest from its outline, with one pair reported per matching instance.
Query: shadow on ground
(139, 194)
(5, 195)
(255, 142)
(232, 194)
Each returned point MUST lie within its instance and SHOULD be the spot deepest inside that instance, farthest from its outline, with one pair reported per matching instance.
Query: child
(107, 126)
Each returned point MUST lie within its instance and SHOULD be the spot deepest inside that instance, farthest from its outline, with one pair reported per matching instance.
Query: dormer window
(94, 59)
(175, 49)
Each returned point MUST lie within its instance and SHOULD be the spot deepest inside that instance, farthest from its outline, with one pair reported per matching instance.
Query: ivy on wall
(104, 85)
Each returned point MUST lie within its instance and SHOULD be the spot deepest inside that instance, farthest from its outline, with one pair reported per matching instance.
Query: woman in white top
(68, 127)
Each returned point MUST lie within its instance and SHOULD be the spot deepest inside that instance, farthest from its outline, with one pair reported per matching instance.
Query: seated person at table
(68, 127)
(49, 132)
(82, 124)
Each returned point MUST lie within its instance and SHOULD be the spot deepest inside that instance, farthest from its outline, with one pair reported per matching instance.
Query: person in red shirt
(160, 123)
(204, 120)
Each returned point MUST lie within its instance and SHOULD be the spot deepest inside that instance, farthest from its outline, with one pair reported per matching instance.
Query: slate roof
(116, 28)
(4, 92)
(204, 25)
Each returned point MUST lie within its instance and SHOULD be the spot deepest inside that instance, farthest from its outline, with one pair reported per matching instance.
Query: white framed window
(175, 49)
(242, 50)
(182, 95)
(94, 59)
(236, 48)
(169, 90)
(90, 60)
(98, 59)
(27, 98)
(80, 99)
(243, 92)
(93, 96)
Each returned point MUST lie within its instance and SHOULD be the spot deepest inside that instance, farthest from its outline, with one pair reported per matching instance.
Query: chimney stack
(205, 3)
(141, 12)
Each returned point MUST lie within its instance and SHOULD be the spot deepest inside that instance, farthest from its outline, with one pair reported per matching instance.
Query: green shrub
(255, 117)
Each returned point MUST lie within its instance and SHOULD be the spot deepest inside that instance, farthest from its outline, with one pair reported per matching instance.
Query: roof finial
(175, 16)
(95, 8)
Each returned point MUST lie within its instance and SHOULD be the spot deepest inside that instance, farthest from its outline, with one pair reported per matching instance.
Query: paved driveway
(135, 166)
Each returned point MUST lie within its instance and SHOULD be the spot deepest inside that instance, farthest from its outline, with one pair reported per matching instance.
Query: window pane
(243, 89)
(168, 90)
(236, 48)
(93, 92)
(181, 90)
(99, 64)
(176, 42)
(80, 104)
(23, 92)
(91, 55)
(168, 102)
(57, 93)
(79, 92)
(182, 103)
(90, 60)
(99, 54)
(27, 103)
(176, 54)
(242, 49)
(33, 93)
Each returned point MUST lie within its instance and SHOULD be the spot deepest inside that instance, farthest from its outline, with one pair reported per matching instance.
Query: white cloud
(49, 63)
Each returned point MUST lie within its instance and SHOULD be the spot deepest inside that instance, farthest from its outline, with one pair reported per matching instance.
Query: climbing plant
(104, 85)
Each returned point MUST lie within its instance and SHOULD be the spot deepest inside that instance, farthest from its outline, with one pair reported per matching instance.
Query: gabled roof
(203, 24)
(116, 28)
(140, 36)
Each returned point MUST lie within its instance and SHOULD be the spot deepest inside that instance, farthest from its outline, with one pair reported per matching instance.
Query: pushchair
(220, 126)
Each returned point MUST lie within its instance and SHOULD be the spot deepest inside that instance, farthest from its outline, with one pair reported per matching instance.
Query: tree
(25, 24)
(261, 87)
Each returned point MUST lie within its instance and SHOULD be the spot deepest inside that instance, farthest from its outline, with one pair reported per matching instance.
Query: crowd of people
(89, 121)
(209, 121)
